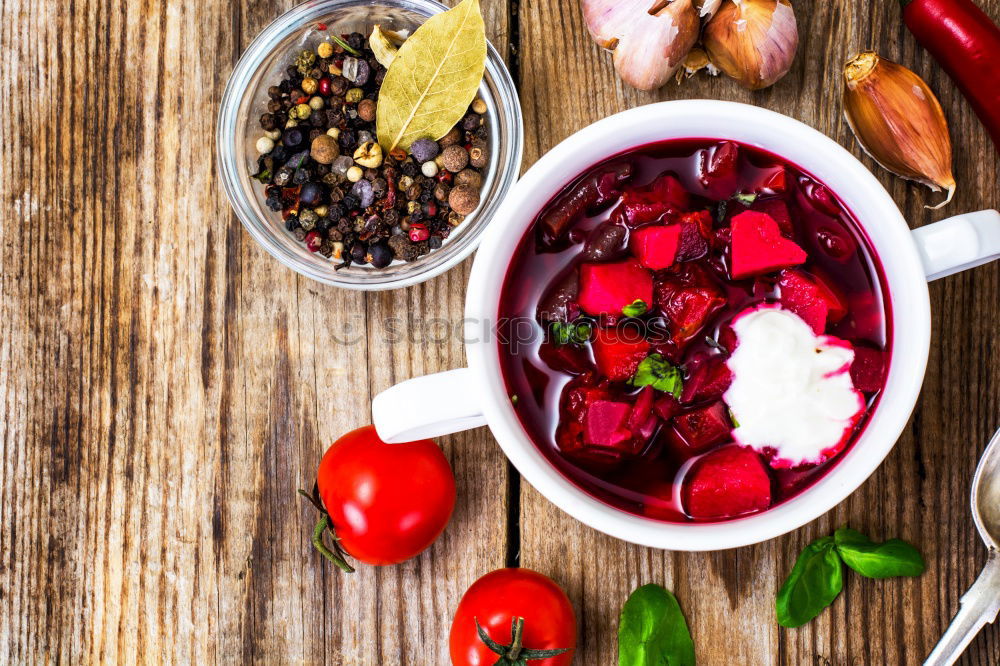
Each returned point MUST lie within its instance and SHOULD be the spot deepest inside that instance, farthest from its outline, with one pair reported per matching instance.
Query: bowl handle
(428, 406)
(959, 243)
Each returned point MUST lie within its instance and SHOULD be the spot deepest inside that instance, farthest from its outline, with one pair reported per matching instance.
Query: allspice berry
(463, 199)
(455, 158)
(366, 110)
(479, 155)
(324, 149)
(451, 138)
(469, 177)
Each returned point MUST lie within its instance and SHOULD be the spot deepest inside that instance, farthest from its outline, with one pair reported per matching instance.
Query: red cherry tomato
(500, 598)
(387, 502)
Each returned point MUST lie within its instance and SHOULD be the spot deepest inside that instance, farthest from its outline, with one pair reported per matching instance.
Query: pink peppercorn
(419, 232)
(324, 86)
(313, 240)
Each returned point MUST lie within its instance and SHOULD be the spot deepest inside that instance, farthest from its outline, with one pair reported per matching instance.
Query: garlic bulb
(898, 121)
(753, 41)
(649, 38)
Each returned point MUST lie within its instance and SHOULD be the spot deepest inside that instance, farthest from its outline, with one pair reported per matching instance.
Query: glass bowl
(245, 99)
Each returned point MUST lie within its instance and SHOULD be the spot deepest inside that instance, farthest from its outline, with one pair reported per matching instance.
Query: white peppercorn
(265, 145)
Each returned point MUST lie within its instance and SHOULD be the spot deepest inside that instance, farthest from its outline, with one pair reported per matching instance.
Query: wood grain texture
(165, 386)
(920, 493)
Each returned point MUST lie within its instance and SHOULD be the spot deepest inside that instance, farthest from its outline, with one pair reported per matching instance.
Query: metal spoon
(981, 604)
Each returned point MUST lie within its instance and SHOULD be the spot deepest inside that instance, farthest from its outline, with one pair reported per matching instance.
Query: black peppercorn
(410, 169)
(379, 255)
(274, 106)
(311, 194)
(278, 153)
(358, 253)
(300, 176)
(472, 121)
(347, 139)
(268, 122)
(434, 242)
(292, 137)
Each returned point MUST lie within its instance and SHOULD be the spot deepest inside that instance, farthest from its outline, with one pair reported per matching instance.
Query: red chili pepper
(966, 43)
(321, 26)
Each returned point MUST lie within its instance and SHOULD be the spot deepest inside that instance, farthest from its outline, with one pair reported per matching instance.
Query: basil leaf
(564, 333)
(893, 558)
(656, 371)
(636, 308)
(653, 631)
(815, 581)
(745, 199)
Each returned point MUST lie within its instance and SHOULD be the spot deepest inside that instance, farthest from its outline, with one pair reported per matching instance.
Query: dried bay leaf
(433, 78)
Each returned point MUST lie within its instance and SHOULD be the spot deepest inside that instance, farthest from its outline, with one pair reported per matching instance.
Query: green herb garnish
(343, 44)
(652, 630)
(636, 308)
(818, 575)
(575, 332)
(656, 371)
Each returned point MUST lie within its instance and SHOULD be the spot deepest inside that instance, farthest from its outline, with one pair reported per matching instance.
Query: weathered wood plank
(920, 493)
(167, 386)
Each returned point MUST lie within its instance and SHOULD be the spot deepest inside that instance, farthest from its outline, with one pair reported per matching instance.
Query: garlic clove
(695, 61)
(649, 38)
(898, 120)
(382, 46)
(707, 8)
(753, 41)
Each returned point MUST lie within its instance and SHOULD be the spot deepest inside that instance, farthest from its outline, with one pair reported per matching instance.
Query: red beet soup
(694, 330)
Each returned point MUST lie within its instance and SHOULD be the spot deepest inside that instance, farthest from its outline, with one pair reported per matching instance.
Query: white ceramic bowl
(459, 399)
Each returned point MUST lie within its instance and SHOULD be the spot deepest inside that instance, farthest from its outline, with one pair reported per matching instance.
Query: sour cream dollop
(791, 393)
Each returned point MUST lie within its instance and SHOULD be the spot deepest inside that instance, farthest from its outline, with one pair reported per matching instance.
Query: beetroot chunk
(594, 424)
(607, 288)
(618, 355)
(696, 230)
(777, 209)
(801, 295)
(727, 483)
(708, 381)
(810, 298)
(758, 246)
(641, 205)
(687, 300)
(605, 424)
(703, 428)
(868, 369)
(656, 246)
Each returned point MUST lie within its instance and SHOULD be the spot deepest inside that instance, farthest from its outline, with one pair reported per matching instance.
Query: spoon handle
(980, 606)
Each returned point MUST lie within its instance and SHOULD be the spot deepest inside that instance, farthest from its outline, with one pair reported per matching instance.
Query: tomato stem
(516, 635)
(317, 541)
(515, 654)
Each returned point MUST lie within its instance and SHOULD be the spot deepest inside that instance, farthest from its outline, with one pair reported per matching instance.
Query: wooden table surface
(166, 385)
